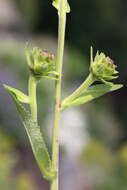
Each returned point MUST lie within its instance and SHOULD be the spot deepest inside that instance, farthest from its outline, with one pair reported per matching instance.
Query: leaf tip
(6, 86)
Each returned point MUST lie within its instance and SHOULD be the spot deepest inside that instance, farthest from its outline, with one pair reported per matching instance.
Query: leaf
(92, 93)
(56, 4)
(36, 140)
(18, 94)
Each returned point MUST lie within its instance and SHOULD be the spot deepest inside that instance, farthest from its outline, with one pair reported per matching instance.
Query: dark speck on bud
(41, 63)
(103, 68)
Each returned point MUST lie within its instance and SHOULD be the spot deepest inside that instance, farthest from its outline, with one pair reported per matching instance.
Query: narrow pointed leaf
(36, 140)
(18, 94)
(92, 93)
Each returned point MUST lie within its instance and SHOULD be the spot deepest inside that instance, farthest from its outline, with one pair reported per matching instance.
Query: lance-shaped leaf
(92, 93)
(36, 140)
(18, 94)
(56, 4)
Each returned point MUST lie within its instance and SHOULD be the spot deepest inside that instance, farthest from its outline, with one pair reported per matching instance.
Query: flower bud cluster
(103, 68)
(41, 63)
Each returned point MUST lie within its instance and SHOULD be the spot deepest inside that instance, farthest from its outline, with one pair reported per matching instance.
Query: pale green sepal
(53, 72)
(50, 78)
(92, 93)
(19, 95)
(36, 140)
(56, 4)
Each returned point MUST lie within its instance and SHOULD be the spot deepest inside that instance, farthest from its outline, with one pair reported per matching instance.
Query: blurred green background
(93, 137)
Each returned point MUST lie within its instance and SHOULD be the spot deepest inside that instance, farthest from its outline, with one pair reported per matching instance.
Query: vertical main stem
(32, 95)
(60, 52)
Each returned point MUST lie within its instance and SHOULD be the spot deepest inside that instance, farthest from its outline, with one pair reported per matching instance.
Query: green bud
(41, 63)
(103, 68)
(56, 4)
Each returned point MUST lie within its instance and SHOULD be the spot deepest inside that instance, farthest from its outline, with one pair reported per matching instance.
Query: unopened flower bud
(41, 63)
(103, 68)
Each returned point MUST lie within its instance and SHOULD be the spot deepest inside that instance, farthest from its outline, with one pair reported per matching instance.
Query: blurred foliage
(23, 182)
(76, 62)
(109, 166)
(8, 159)
(122, 154)
(13, 54)
(30, 11)
(97, 154)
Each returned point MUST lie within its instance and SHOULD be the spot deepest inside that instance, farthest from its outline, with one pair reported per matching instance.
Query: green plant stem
(60, 52)
(32, 95)
(89, 80)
